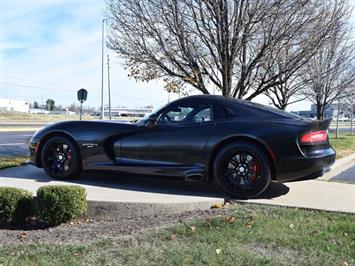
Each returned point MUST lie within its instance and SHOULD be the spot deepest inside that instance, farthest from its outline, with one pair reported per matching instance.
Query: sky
(52, 48)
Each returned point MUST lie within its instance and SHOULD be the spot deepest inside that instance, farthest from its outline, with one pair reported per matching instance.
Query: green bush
(60, 204)
(15, 205)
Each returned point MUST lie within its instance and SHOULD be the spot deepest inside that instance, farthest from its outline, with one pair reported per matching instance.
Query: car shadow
(140, 183)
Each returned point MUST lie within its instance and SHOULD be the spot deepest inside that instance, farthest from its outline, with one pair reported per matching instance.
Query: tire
(242, 170)
(60, 158)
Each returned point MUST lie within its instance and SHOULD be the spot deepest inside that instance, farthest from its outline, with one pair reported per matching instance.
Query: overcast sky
(51, 48)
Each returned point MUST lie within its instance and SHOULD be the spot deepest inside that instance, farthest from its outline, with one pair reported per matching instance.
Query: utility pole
(109, 85)
(102, 69)
(337, 125)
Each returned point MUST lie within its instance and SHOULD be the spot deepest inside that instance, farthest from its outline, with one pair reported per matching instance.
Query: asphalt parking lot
(347, 176)
(14, 143)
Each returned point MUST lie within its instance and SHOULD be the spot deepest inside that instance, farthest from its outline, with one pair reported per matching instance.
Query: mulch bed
(88, 231)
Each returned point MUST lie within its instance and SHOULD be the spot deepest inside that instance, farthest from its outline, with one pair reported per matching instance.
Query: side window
(203, 116)
(186, 114)
(178, 114)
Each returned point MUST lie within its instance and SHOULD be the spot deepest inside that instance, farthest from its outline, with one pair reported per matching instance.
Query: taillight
(314, 137)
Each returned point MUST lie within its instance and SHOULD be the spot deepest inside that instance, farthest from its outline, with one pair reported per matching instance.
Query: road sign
(82, 95)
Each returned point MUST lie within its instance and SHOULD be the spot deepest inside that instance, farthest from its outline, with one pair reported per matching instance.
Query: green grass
(260, 235)
(344, 144)
(39, 118)
(7, 162)
(43, 118)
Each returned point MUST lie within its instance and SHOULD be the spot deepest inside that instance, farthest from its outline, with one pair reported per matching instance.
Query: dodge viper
(241, 145)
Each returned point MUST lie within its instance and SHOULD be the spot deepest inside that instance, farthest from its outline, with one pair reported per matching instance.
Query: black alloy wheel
(60, 158)
(242, 170)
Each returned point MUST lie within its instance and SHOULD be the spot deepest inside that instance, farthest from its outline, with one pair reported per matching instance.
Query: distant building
(129, 112)
(329, 112)
(14, 105)
(38, 111)
(63, 112)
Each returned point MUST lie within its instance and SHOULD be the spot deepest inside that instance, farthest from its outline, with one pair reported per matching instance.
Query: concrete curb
(340, 166)
(117, 210)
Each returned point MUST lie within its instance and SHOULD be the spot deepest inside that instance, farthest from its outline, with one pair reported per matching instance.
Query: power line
(33, 80)
(37, 87)
(73, 91)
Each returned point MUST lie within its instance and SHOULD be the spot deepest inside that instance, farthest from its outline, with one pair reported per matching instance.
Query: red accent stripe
(273, 156)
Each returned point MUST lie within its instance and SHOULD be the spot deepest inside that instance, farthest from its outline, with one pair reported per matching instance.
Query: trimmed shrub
(15, 205)
(60, 204)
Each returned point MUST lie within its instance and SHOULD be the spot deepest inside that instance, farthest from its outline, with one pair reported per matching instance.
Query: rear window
(268, 109)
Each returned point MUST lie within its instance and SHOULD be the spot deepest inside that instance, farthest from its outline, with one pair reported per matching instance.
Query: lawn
(344, 144)
(43, 118)
(7, 162)
(36, 118)
(245, 235)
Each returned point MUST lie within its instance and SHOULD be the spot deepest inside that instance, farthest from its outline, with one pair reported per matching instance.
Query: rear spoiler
(319, 125)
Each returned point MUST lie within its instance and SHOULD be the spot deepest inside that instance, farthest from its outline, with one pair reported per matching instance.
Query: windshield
(145, 118)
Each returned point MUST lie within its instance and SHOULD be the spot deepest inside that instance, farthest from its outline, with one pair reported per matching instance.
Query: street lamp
(102, 68)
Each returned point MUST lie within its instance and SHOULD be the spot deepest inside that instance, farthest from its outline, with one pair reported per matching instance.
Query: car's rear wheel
(60, 158)
(242, 170)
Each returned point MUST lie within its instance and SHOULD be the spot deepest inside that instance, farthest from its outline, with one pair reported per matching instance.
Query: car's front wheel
(60, 158)
(242, 170)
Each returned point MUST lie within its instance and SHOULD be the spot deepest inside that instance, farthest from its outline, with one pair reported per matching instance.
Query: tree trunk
(320, 111)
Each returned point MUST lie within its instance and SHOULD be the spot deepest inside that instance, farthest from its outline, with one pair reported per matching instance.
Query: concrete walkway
(314, 194)
(114, 195)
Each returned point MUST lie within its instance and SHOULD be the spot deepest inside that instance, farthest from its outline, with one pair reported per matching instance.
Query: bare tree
(349, 105)
(331, 72)
(287, 92)
(226, 44)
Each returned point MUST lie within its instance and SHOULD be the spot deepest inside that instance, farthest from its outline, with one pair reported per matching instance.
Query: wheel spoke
(242, 171)
(58, 158)
(234, 161)
(229, 172)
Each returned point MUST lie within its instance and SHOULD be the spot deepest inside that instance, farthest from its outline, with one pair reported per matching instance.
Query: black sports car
(242, 145)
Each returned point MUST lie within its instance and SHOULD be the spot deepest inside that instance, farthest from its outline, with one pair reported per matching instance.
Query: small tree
(349, 102)
(50, 104)
(35, 105)
(331, 72)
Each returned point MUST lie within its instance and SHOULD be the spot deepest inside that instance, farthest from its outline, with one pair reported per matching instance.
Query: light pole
(102, 68)
(109, 86)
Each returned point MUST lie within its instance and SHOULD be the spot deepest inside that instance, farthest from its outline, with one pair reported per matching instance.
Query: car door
(178, 139)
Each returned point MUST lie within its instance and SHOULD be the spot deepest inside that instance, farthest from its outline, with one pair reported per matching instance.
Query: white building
(129, 112)
(14, 105)
(38, 111)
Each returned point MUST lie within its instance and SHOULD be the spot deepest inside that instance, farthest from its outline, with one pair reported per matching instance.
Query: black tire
(242, 170)
(60, 158)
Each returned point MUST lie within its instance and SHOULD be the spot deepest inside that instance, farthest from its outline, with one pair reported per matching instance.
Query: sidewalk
(117, 195)
(315, 194)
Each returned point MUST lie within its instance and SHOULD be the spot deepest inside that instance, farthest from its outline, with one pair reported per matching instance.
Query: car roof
(234, 103)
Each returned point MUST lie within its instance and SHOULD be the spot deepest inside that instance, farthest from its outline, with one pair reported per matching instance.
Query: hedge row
(15, 204)
(53, 204)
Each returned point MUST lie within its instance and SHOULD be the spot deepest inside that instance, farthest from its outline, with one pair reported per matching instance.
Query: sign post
(82, 96)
